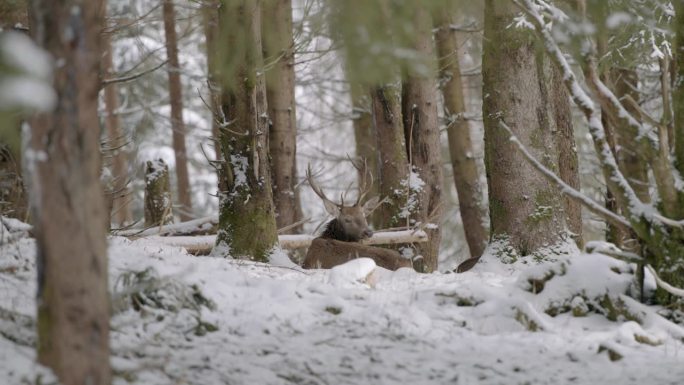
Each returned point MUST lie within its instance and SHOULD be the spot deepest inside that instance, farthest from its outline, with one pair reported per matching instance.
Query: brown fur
(326, 253)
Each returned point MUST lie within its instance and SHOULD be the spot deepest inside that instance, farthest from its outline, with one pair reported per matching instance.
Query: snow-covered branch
(617, 183)
(566, 188)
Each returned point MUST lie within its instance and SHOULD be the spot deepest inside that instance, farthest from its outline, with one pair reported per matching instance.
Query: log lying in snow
(203, 244)
(200, 225)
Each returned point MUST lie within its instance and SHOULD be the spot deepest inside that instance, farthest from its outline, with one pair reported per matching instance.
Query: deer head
(350, 223)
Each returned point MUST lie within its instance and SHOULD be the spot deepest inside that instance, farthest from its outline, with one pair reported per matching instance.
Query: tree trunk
(393, 173)
(525, 209)
(568, 161)
(421, 127)
(247, 226)
(280, 81)
(13, 200)
(67, 198)
(365, 139)
(463, 163)
(116, 140)
(678, 86)
(176, 101)
(210, 20)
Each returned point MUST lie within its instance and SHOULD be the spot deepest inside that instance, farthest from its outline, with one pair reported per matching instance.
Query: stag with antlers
(339, 242)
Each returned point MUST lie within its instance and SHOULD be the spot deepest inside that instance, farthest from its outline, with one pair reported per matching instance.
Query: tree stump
(157, 194)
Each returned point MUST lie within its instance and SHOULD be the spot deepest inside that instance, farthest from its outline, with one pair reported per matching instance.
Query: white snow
(356, 323)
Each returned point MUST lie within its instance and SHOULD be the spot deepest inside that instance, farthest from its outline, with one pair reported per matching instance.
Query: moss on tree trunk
(518, 80)
(247, 226)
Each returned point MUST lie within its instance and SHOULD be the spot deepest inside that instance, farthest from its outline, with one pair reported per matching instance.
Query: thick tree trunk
(525, 209)
(280, 81)
(678, 87)
(67, 198)
(13, 15)
(421, 128)
(176, 101)
(391, 147)
(463, 163)
(116, 140)
(247, 226)
(365, 139)
(568, 161)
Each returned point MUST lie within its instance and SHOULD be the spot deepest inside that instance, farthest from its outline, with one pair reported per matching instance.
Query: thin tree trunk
(393, 173)
(280, 80)
(525, 209)
(247, 226)
(67, 198)
(463, 163)
(211, 25)
(116, 140)
(421, 127)
(176, 101)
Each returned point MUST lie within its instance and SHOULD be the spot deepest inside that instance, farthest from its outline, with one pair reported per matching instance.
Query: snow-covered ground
(180, 319)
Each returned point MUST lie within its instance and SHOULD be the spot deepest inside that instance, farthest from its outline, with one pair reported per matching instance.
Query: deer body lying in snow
(339, 242)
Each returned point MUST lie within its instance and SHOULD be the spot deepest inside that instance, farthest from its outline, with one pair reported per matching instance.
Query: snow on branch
(614, 178)
(664, 285)
(565, 188)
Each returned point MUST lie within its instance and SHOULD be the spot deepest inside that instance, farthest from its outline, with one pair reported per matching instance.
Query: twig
(129, 78)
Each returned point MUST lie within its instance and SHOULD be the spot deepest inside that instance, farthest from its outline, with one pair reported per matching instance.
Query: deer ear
(331, 208)
(370, 205)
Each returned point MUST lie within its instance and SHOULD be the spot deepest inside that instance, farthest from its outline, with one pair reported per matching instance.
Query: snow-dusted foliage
(201, 320)
(26, 74)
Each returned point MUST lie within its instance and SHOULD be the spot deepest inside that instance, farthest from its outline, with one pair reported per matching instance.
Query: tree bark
(389, 131)
(525, 209)
(247, 226)
(176, 101)
(280, 82)
(678, 87)
(365, 139)
(119, 194)
(211, 25)
(67, 198)
(463, 163)
(421, 128)
(568, 161)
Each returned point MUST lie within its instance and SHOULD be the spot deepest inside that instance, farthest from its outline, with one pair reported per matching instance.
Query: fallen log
(203, 244)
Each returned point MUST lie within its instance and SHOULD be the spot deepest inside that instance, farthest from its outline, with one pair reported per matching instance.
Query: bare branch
(124, 79)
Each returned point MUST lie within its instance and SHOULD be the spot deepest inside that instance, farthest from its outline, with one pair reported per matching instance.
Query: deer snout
(367, 233)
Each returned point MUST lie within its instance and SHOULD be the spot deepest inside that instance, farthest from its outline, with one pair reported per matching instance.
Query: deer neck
(334, 230)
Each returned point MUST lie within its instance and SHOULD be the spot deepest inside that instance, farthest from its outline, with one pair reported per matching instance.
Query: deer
(340, 240)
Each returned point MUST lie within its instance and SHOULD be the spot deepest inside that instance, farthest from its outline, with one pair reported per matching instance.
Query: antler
(316, 188)
(366, 178)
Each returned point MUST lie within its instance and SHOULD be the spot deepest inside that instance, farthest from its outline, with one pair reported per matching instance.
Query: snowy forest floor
(180, 319)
